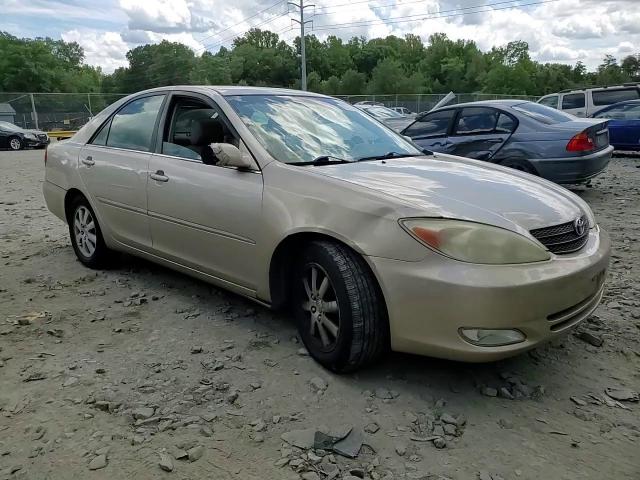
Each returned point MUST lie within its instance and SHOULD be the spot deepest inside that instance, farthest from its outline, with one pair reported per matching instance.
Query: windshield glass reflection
(296, 129)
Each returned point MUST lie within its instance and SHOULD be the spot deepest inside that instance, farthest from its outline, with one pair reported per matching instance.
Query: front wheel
(86, 236)
(15, 143)
(339, 308)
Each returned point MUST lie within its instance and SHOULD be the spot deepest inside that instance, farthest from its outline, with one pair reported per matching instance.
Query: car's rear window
(609, 97)
(543, 114)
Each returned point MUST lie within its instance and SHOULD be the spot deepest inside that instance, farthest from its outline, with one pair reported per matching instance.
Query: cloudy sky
(557, 30)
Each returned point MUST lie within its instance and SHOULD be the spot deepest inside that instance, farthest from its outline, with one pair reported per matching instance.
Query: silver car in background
(303, 201)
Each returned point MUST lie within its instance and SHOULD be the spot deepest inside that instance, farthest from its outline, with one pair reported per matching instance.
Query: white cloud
(105, 49)
(561, 31)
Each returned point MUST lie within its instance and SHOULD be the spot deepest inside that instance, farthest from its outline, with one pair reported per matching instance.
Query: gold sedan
(303, 201)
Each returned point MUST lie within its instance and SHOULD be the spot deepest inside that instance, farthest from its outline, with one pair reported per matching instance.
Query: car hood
(453, 187)
(31, 130)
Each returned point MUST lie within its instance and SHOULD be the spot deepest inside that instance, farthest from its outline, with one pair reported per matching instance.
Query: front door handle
(159, 176)
(88, 161)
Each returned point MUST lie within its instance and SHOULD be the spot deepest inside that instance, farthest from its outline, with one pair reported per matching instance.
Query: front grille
(562, 238)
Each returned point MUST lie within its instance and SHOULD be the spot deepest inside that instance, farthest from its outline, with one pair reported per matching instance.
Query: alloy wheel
(322, 307)
(84, 230)
(15, 144)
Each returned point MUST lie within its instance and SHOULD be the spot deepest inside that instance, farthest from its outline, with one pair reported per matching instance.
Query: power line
(435, 15)
(242, 21)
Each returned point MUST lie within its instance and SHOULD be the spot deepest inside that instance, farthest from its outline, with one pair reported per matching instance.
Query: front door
(479, 132)
(202, 215)
(114, 168)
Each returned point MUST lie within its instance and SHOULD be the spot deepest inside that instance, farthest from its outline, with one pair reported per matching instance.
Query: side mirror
(230, 156)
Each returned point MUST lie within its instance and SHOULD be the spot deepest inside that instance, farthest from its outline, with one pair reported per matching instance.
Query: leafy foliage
(391, 65)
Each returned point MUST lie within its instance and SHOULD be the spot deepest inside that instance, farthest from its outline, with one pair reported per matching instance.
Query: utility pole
(303, 56)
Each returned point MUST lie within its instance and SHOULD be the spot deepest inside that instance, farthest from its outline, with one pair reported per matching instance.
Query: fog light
(485, 337)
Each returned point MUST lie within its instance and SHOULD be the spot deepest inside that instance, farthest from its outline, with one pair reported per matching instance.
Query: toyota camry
(303, 201)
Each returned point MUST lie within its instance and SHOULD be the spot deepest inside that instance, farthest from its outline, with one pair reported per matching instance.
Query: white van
(586, 102)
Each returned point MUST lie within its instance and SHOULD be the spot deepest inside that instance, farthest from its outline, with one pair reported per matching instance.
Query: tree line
(388, 65)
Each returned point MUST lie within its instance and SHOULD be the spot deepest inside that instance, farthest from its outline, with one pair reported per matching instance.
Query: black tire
(100, 254)
(15, 143)
(520, 165)
(363, 327)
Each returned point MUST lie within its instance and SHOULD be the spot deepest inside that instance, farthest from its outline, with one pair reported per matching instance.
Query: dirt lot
(105, 374)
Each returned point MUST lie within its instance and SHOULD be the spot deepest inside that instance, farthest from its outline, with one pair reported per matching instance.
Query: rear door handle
(88, 161)
(159, 176)
(495, 140)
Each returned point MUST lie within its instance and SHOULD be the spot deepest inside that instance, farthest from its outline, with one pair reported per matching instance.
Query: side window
(101, 137)
(609, 97)
(434, 124)
(133, 126)
(550, 101)
(505, 124)
(573, 100)
(477, 121)
(191, 127)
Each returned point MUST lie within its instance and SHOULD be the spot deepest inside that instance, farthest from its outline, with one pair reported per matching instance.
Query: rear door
(431, 130)
(480, 132)
(114, 167)
(574, 103)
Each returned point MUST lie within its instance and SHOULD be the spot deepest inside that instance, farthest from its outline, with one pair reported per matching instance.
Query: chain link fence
(53, 111)
(424, 102)
(70, 111)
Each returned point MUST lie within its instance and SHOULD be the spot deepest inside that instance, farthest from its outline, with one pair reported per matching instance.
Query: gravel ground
(134, 371)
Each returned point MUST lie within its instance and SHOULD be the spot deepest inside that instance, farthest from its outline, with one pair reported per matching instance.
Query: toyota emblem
(580, 226)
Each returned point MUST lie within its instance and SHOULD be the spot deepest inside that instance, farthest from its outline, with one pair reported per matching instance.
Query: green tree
(353, 83)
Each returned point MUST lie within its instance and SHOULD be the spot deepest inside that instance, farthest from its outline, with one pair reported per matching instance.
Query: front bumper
(429, 301)
(573, 169)
(39, 141)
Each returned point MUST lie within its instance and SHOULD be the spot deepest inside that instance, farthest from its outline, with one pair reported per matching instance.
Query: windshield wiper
(324, 160)
(389, 155)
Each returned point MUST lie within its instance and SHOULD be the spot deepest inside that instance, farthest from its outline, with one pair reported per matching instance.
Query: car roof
(226, 90)
(486, 103)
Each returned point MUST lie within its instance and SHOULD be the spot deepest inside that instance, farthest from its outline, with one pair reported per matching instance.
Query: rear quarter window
(609, 97)
(542, 114)
(573, 100)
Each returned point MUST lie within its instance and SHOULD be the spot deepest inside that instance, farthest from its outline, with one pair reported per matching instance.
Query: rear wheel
(15, 143)
(519, 164)
(339, 309)
(86, 236)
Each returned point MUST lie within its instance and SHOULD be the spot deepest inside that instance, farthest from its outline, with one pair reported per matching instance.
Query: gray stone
(506, 393)
(383, 393)
(401, 449)
(578, 401)
(196, 349)
(310, 476)
(372, 428)
(195, 453)
(446, 418)
(450, 429)
(143, 413)
(98, 462)
(622, 394)
(318, 385)
(166, 462)
(300, 438)
(440, 442)
(489, 392)
(589, 338)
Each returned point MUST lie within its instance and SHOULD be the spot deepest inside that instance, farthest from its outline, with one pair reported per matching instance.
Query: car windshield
(542, 113)
(10, 126)
(298, 129)
(382, 112)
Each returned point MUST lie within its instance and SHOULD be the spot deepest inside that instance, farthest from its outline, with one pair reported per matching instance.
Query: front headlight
(474, 242)
(32, 136)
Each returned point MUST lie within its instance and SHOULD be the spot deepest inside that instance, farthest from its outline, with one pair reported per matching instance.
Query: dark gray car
(523, 135)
